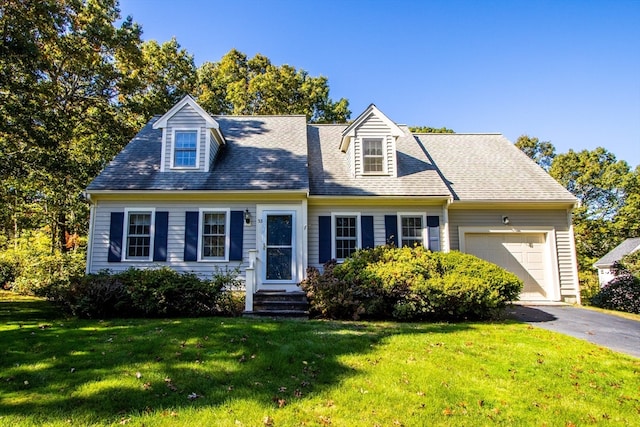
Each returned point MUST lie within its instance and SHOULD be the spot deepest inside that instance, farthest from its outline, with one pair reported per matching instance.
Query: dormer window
(185, 149)
(373, 157)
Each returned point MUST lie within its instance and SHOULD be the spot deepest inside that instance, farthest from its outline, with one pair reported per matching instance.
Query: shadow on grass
(94, 371)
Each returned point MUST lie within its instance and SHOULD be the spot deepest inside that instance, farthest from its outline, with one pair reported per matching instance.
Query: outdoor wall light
(505, 220)
(247, 217)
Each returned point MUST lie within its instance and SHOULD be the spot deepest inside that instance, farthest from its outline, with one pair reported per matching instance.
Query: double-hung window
(345, 235)
(214, 241)
(373, 155)
(185, 149)
(411, 230)
(138, 235)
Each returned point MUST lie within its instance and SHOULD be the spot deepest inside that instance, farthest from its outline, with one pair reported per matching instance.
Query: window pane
(411, 230)
(139, 235)
(279, 264)
(346, 236)
(185, 149)
(214, 234)
(373, 158)
(279, 230)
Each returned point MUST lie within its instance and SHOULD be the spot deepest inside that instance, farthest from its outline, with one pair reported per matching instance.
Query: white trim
(446, 236)
(207, 150)
(162, 122)
(425, 235)
(298, 264)
(92, 224)
(173, 145)
(227, 233)
(552, 275)
(163, 153)
(574, 258)
(333, 232)
(350, 132)
(125, 233)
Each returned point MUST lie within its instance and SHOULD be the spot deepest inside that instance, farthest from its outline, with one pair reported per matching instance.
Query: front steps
(279, 303)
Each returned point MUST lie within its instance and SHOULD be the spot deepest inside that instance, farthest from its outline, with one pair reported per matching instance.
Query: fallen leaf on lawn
(325, 420)
(447, 412)
(146, 386)
(193, 396)
(125, 421)
(138, 375)
(297, 393)
(242, 359)
(420, 393)
(268, 421)
(73, 370)
(282, 389)
(281, 403)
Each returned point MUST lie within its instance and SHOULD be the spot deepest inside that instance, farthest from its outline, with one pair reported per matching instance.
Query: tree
(237, 85)
(542, 153)
(429, 129)
(155, 79)
(599, 181)
(627, 220)
(58, 81)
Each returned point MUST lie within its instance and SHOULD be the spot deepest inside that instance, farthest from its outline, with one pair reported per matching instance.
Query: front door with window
(278, 247)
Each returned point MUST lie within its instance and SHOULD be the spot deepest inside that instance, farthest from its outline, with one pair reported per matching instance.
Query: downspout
(446, 247)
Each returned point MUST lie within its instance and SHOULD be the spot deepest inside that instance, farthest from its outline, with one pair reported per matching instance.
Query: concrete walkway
(617, 333)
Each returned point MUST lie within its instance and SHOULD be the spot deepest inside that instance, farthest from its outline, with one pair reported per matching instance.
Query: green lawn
(242, 372)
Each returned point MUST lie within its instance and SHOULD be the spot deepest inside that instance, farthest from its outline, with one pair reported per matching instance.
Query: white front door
(278, 247)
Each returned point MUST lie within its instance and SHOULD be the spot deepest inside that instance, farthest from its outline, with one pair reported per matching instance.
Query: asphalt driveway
(616, 333)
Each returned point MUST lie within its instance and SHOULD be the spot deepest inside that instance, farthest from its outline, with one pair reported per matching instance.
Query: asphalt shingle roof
(616, 254)
(489, 167)
(262, 153)
(329, 172)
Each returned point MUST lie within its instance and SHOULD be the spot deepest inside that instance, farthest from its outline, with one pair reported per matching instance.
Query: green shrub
(622, 293)
(589, 285)
(159, 292)
(31, 266)
(410, 284)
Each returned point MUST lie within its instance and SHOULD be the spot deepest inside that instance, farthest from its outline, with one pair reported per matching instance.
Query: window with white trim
(185, 149)
(138, 235)
(411, 230)
(372, 155)
(345, 236)
(214, 235)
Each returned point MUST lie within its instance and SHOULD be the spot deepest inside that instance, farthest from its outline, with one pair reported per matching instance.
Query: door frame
(298, 245)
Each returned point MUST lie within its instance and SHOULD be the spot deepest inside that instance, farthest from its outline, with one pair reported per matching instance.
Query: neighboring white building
(604, 264)
(274, 195)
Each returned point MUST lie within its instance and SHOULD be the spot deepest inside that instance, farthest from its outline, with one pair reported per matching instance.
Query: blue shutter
(324, 239)
(236, 234)
(191, 236)
(115, 236)
(366, 222)
(391, 229)
(160, 237)
(433, 231)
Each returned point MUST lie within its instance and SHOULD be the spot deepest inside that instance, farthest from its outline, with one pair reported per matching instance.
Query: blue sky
(564, 71)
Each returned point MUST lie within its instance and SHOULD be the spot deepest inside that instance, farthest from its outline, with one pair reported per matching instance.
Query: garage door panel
(522, 254)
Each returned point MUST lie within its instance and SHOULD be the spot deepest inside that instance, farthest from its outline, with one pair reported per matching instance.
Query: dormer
(370, 144)
(191, 138)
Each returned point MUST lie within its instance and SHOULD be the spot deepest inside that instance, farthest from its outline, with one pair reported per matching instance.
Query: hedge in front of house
(410, 284)
(159, 292)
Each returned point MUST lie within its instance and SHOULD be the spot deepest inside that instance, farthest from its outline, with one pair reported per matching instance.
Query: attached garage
(530, 254)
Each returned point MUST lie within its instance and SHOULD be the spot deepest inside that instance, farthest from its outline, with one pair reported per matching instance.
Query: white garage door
(521, 253)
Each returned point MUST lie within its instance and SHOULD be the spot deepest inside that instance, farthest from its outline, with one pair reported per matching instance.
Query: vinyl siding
(378, 214)
(186, 118)
(374, 127)
(175, 238)
(524, 219)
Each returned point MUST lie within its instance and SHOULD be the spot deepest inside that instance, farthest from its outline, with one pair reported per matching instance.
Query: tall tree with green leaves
(242, 86)
(58, 80)
(541, 152)
(599, 181)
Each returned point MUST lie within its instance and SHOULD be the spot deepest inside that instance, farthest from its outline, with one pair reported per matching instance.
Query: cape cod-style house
(273, 195)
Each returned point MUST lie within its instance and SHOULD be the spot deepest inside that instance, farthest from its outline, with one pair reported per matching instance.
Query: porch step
(279, 304)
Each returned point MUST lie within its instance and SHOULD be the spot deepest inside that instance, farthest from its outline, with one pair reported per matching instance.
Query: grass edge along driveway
(246, 372)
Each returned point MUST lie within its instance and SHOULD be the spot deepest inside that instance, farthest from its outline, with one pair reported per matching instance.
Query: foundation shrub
(410, 284)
